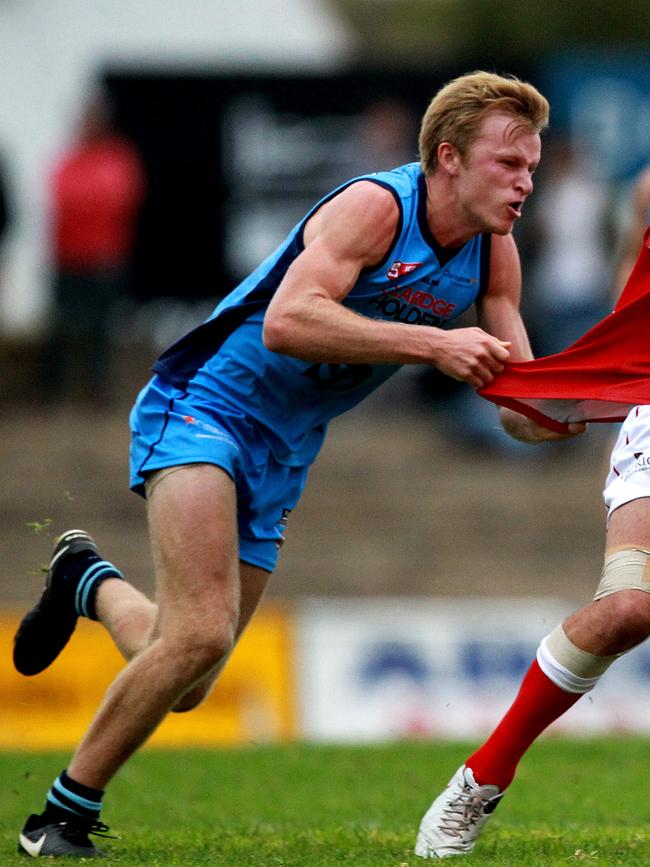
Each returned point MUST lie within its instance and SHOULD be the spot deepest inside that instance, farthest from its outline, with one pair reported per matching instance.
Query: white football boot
(457, 816)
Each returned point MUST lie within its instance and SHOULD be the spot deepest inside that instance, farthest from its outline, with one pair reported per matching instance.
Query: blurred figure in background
(387, 130)
(96, 190)
(5, 214)
(635, 228)
(570, 272)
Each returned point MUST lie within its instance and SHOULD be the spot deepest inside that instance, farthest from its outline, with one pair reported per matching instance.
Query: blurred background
(149, 158)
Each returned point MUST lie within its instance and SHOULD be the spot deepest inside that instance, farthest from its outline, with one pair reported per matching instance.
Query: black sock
(89, 573)
(67, 797)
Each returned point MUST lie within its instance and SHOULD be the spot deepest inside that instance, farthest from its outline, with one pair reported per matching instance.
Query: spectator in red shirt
(96, 190)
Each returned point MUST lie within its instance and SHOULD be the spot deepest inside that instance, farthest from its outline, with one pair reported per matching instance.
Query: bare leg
(604, 628)
(127, 614)
(131, 618)
(253, 582)
(618, 622)
(193, 528)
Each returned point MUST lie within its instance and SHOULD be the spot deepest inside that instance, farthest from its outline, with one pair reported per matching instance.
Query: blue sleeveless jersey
(225, 362)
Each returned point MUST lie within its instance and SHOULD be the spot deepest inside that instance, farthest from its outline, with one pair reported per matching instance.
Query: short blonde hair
(456, 112)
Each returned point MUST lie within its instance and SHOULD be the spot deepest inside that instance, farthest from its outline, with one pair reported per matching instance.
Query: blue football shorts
(170, 427)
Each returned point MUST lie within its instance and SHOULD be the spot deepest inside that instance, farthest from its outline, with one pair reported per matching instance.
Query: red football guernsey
(600, 377)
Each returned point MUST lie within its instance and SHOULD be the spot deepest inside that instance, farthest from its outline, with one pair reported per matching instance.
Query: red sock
(538, 703)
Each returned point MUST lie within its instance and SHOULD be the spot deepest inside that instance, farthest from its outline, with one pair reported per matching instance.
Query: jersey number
(338, 377)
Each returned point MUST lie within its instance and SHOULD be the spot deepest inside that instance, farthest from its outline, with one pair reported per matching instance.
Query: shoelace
(466, 810)
(99, 829)
(78, 833)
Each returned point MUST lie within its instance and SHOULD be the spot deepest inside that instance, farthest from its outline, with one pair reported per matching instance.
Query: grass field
(574, 802)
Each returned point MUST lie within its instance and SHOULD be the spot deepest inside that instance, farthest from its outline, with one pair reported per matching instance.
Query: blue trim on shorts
(160, 438)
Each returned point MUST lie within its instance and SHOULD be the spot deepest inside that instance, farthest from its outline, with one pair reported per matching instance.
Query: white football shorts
(629, 469)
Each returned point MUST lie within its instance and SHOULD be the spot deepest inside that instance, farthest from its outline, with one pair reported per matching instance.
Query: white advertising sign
(406, 668)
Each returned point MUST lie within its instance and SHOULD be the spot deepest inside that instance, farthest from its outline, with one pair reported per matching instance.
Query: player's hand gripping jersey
(600, 377)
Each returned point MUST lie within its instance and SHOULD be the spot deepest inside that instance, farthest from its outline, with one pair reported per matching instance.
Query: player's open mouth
(515, 208)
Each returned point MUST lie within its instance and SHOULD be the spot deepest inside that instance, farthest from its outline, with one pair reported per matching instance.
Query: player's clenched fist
(471, 355)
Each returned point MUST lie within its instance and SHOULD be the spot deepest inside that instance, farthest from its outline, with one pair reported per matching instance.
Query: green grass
(574, 802)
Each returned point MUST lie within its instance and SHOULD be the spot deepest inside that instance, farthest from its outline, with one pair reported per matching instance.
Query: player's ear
(448, 158)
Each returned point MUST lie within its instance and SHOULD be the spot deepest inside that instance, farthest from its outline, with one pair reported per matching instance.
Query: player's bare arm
(307, 320)
(498, 312)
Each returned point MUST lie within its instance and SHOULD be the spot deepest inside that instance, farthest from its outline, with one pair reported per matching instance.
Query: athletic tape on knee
(569, 667)
(625, 568)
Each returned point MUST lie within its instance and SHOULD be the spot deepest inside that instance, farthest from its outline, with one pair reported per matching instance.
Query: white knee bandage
(625, 568)
(569, 667)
